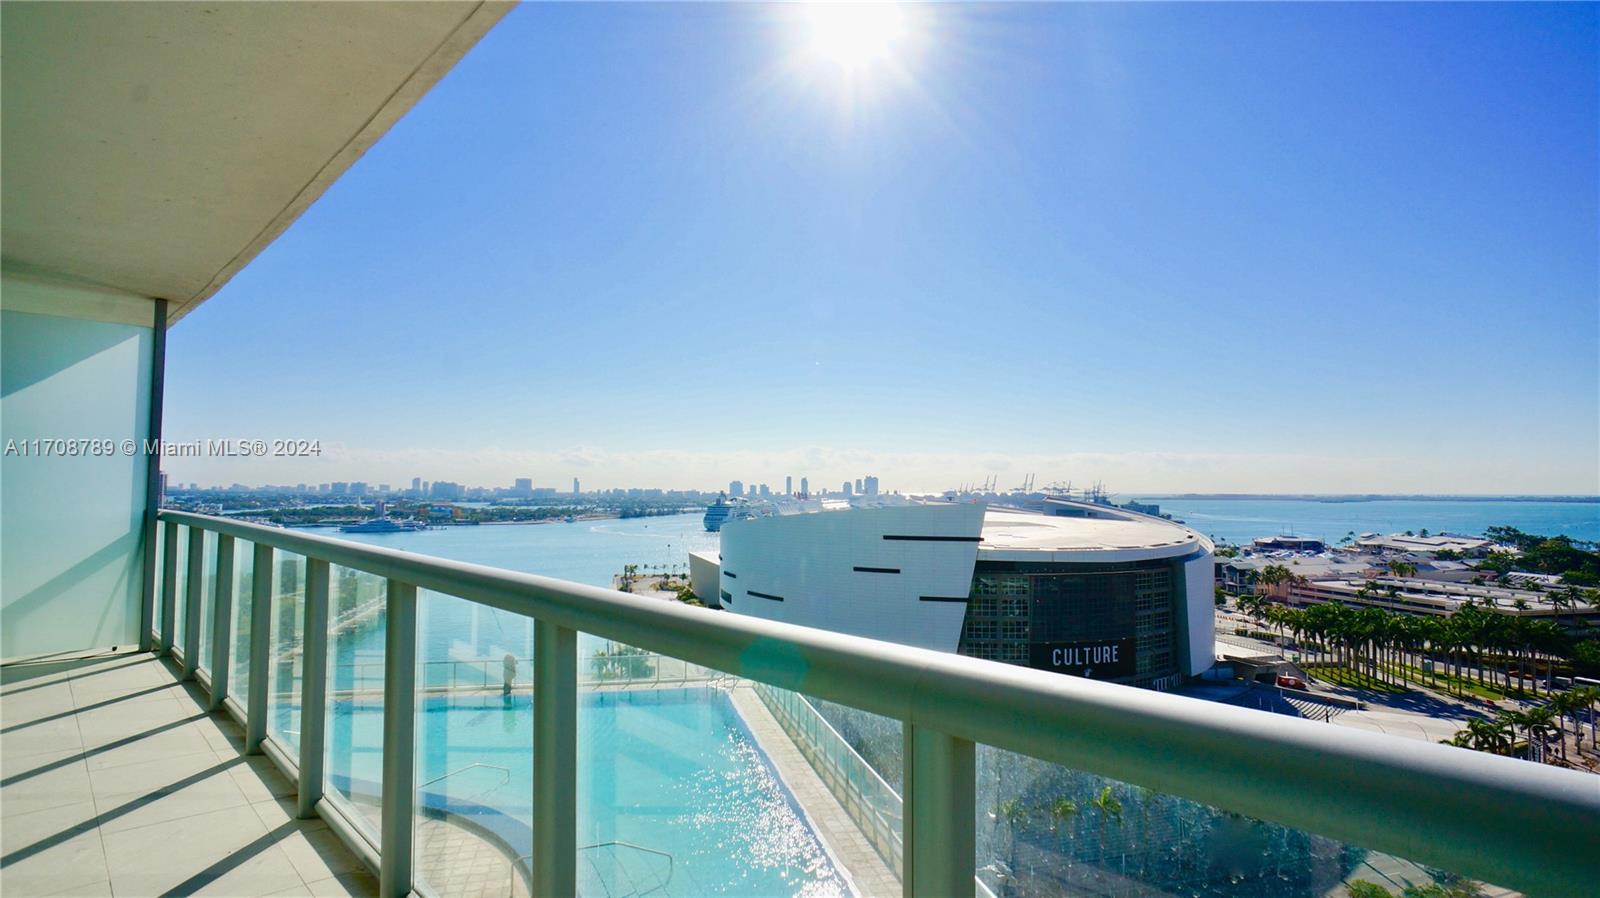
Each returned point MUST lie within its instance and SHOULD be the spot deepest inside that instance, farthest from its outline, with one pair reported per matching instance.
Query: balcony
(492, 776)
(288, 714)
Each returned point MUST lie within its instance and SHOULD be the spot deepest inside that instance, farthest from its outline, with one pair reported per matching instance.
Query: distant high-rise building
(805, 486)
(764, 492)
(575, 490)
(847, 490)
(858, 486)
(871, 484)
(339, 488)
(736, 487)
(788, 485)
(444, 489)
(358, 488)
(416, 485)
(522, 487)
(383, 488)
(163, 488)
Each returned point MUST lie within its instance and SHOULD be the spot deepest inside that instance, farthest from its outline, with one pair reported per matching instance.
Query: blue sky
(1309, 248)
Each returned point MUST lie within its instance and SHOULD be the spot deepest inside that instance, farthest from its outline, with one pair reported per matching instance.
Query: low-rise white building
(1105, 593)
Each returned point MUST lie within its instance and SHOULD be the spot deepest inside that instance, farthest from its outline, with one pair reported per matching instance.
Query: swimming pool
(667, 778)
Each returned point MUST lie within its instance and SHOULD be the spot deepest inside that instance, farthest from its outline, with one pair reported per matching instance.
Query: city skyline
(1135, 258)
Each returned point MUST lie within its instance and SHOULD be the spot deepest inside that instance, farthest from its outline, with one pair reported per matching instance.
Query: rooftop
(1128, 536)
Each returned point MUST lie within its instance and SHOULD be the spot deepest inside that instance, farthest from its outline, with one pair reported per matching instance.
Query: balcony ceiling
(156, 148)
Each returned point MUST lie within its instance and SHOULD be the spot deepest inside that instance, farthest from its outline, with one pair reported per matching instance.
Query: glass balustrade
(180, 591)
(243, 602)
(287, 660)
(354, 734)
(690, 780)
(474, 748)
(208, 599)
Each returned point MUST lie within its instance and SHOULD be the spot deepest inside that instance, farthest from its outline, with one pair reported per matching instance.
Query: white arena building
(1083, 589)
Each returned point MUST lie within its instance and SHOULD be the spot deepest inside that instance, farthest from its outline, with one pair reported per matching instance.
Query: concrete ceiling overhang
(153, 149)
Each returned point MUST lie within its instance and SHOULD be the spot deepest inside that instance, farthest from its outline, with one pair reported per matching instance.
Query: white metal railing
(1526, 826)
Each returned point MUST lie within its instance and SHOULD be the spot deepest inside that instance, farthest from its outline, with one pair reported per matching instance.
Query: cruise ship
(723, 510)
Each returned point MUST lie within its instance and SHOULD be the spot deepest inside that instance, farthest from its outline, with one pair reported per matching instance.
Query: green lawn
(1344, 676)
(1391, 675)
(1455, 685)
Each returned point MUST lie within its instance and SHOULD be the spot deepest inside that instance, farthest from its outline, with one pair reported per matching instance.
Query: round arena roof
(1110, 535)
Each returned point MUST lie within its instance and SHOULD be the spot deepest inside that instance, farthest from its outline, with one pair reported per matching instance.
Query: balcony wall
(71, 540)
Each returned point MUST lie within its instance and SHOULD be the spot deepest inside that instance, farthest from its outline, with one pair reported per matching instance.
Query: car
(1289, 681)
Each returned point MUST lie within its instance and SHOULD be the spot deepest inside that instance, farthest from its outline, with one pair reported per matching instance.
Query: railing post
(938, 814)
(399, 741)
(169, 588)
(555, 760)
(313, 688)
(255, 718)
(193, 591)
(222, 624)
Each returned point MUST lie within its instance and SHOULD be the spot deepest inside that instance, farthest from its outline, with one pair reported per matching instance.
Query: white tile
(356, 884)
(34, 704)
(40, 781)
(164, 789)
(52, 845)
(50, 736)
(318, 853)
(261, 780)
(260, 873)
(181, 848)
(168, 742)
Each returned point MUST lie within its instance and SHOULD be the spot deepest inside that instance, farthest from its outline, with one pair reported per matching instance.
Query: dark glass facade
(1115, 622)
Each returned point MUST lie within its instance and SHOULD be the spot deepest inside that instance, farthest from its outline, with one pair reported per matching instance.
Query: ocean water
(584, 551)
(1241, 520)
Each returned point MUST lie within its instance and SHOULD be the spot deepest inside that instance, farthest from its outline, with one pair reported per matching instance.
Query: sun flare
(855, 36)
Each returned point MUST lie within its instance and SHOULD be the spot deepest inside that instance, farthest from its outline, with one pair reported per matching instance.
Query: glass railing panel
(208, 599)
(287, 661)
(156, 603)
(1047, 829)
(474, 795)
(180, 582)
(681, 788)
(354, 765)
(855, 757)
(243, 600)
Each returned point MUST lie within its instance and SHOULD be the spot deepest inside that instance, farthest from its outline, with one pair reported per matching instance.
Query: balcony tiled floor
(115, 781)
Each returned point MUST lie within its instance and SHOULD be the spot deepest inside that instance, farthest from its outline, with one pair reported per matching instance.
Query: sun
(856, 36)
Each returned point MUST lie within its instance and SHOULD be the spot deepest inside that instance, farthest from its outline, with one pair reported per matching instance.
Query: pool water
(667, 779)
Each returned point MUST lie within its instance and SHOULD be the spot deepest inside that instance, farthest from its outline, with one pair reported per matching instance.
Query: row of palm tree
(1539, 724)
(1475, 641)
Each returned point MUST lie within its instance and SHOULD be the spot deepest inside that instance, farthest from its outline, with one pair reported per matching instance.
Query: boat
(382, 525)
(722, 511)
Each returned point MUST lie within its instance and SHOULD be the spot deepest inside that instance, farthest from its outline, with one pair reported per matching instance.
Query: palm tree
(1274, 575)
(1539, 725)
(1489, 735)
(1062, 812)
(1401, 568)
(1108, 809)
(1013, 812)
